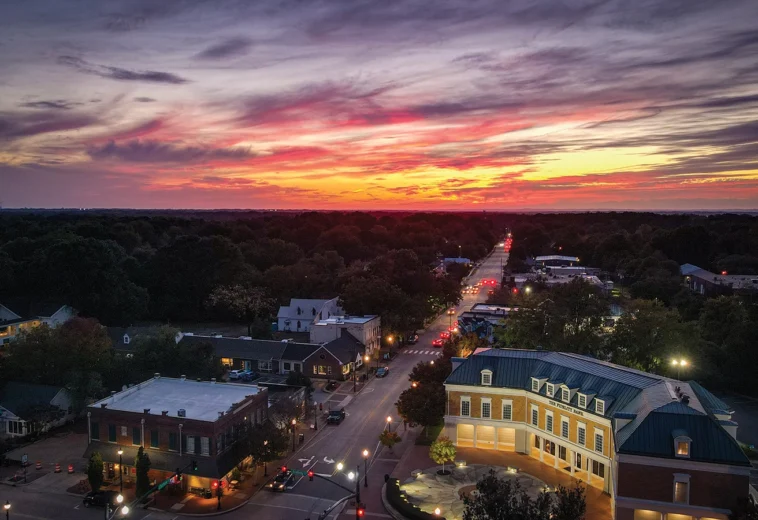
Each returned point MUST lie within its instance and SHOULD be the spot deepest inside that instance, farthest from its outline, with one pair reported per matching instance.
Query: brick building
(662, 449)
(176, 421)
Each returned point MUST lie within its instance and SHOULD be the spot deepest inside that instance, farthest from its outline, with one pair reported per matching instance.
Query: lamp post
(437, 511)
(366, 360)
(679, 363)
(121, 470)
(315, 417)
(294, 423)
(389, 423)
(354, 371)
(365, 468)
(390, 339)
(7, 507)
(265, 458)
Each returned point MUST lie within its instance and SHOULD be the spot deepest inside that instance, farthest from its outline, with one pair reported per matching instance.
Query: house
(176, 420)
(366, 329)
(243, 353)
(661, 448)
(18, 317)
(122, 338)
(707, 283)
(337, 359)
(555, 260)
(29, 407)
(301, 313)
(482, 319)
(456, 260)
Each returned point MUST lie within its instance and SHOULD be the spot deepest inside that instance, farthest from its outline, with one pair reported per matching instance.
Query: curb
(386, 503)
(215, 513)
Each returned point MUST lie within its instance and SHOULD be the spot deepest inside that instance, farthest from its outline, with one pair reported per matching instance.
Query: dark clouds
(153, 151)
(57, 104)
(231, 48)
(18, 125)
(120, 74)
(144, 100)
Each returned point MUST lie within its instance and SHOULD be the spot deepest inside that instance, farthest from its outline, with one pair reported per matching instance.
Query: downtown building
(176, 420)
(662, 449)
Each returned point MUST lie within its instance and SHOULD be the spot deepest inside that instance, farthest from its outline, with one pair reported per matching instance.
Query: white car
(235, 374)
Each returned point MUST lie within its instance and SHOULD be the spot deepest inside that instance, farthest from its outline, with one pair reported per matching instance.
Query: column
(542, 449)
(572, 460)
(143, 433)
(589, 471)
(474, 435)
(495, 427)
(555, 457)
(89, 427)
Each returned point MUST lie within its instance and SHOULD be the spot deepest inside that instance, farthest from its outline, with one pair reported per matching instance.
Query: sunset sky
(374, 104)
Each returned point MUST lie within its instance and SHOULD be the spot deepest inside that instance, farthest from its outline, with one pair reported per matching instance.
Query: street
(366, 417)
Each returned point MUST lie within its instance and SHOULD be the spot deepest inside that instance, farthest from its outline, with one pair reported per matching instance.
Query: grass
(428, 435)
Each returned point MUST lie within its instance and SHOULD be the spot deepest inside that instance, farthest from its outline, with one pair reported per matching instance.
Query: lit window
(683, 449)
(566, 395)
(507, 411)
(599, 407)
(535, 385)
(550, 390)
(486, 377)
(582, 401)
(681, 488)
(465, 407)
(486, 409)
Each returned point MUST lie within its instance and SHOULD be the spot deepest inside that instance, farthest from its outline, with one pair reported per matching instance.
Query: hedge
(397, 500)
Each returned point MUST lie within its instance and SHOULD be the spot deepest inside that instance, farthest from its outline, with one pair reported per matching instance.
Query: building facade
(301, 313)
(176, 421)
(707, 283)
(30, 407)
(662, 449)
(13, 323)
(366, 329)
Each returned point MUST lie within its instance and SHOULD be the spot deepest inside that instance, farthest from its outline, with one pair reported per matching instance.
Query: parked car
(453, 329)
(235, 374)
(445, 334)
(100, 499)
(412, 339)
(280, 481)
(437, 343)
(248, 375)
(335, 416)
(382, 371)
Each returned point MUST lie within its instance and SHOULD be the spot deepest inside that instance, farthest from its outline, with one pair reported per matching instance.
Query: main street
(366, 418)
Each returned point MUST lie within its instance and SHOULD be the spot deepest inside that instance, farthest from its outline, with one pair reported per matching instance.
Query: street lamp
(365, 468)
(389, 423)
(679, 363)
(340, 466)
(414, 384)
(527, 289)
(437, 511)
(125, 510)
(265, 458)
(294, 423)
(120, 498)
(390, 339)
(121, 470)
(366, 360)
(7, 507)
(431, 362)
(351, 475)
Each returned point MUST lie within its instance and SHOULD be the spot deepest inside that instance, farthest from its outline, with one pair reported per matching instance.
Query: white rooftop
(483, 307)
(201, 400)
(340, 320)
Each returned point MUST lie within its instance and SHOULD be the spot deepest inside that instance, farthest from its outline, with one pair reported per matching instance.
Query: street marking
(277, 507)
(328, 461)
(76, 507)
(305, 461)
(325, 475)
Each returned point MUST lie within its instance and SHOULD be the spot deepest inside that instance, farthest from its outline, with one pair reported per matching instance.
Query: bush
(405, 508)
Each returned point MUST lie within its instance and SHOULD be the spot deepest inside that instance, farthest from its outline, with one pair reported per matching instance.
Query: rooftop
(201, 400)
(339, 320)
(483, 307)
(549, 258)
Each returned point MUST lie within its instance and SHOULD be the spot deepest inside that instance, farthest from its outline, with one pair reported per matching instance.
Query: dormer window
(582, 401)
(487, 377)
(599, 406)
(550, 390)
(682, 445)
(535, 385)
(126, 339)
(565, 394)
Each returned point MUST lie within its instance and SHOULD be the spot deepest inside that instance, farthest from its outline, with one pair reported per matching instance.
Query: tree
(424, 372)
(389, 439)
(569, 504)
(424, 405)
(441, 451)
(503, 499)
(95, 471)
(39, 415)
(267, 442)
(746, 510)
(242, 303)
(142, 467)
(286, 407)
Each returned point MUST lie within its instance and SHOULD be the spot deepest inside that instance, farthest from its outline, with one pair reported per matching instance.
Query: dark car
(412, 339)
(335, 416)
(101, 498)
(248, 376)
(383, 371)
(279, 482)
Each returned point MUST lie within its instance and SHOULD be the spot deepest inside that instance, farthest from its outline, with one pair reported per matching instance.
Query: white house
(366, 329)
(13, 322)
(25, 407)
(300, 314)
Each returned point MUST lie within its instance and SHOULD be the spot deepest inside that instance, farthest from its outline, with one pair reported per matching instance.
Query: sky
(379, 104)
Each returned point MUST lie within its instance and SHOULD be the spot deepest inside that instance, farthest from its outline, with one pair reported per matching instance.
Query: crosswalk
(435, 353)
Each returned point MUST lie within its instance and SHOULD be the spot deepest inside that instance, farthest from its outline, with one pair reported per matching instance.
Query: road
(366, 417)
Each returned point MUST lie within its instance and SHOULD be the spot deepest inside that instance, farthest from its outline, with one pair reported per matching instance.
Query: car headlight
(281, 486)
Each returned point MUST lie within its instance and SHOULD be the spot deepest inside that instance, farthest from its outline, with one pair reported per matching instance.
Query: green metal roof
(16, 396)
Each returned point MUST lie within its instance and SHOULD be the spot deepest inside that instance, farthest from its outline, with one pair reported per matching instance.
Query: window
(582, 401)
(535, 416)
(189, 444)
(682, 446)
(564, 429)
(562, 452)
(16, 427)
(111, 433)
(264, 366)
(507, 411)
(486, 377)
(535, 385)
(486, 408)
(465, 406)
(581, 434)
(315, 370)
(599, 442)
(599, 406)
(173, 441)
(154, 439)
(549, 422)
(227, 362)
(287, 365)
(566, 395)
(329, 370)
(681, 488)
(598, 468)
(205, 446)
(550, 390)
(95, 431)
(297, 367)
(136, 436)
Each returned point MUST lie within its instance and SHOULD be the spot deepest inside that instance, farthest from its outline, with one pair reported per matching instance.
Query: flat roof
(338, 320)
(556, 257)
(201, 400)
(483, 307)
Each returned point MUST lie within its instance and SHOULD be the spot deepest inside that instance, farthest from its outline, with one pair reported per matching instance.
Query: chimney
(182, 412)
(183, 377)
(157, 375)
(685, 399)
(113, 392)
(146, 410)
(213, 380)
(164, 413)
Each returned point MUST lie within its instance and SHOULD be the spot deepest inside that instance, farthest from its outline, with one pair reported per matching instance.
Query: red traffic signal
(214, 484)
(361, 511)
(284, 469)
(310, 474)
(515, 290)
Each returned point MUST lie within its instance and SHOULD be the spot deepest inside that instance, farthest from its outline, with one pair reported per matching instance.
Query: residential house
(29, 407)
(243, 353)
(300, 314)
(122, 338)
(707, 283)
(663, 449)
(16, 318)
(366, 329)
(176, 420)
(337, 359)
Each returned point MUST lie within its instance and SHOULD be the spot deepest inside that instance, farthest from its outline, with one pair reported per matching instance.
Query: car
(412, 339)
(383, 371)
(451, 311)
(453, 329)
(437, 343)
(100, 499)
(445, 335)
(248, 376)
(280, 481)
(335, 416)
(235, 374)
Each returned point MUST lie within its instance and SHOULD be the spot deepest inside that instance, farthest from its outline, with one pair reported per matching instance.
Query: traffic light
(214, 484)
(194, 465)
(515, 290)
(310, 475)
(360, 511)
(284, 469)
(178, 474)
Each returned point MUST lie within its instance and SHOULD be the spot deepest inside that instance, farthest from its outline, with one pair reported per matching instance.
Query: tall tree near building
(424, 405)
(266, 442)
(95, 471)
(569, 503)
(441, 451)
(246, 303)
(142, 467)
